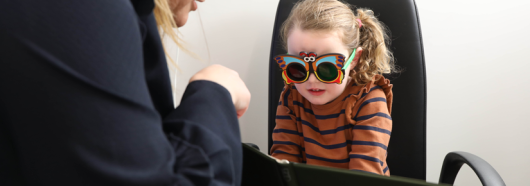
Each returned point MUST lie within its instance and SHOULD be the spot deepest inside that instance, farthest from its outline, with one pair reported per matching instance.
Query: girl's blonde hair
(334, 15)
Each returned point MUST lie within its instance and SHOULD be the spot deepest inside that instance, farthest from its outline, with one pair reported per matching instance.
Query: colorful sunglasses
(328, 68)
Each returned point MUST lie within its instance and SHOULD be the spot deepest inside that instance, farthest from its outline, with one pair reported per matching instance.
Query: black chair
(407, 148)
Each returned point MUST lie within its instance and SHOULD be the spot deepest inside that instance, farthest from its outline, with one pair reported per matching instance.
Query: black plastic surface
(454, 161)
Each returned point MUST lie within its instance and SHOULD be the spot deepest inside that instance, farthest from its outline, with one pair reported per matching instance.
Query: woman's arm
(75, 107)
(205, 123)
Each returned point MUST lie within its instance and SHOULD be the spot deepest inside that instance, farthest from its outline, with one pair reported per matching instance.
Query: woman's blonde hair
(334, 15)
(166, 23)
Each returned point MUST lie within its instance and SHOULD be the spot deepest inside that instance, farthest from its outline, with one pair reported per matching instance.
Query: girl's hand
(230, 80)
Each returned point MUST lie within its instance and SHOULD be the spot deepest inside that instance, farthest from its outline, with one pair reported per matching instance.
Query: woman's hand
(229, 79)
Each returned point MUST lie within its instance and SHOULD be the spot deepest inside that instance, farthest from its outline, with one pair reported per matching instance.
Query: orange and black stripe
(351, 132)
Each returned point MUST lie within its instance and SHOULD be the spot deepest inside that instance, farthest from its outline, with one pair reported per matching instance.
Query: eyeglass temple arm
(350, 59)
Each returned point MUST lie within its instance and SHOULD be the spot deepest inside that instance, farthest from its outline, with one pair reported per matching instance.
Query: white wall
(476, 75)
(477, 80)
(238, 35)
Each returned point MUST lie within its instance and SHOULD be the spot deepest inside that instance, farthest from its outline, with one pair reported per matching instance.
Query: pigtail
(376, 58)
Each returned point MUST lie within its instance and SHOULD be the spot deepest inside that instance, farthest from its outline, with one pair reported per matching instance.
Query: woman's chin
(181, 20)
(180, 23)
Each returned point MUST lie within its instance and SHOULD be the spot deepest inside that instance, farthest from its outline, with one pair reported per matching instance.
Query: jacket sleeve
(75, 108)
(204, 132)
(287, 143)
(371, 134)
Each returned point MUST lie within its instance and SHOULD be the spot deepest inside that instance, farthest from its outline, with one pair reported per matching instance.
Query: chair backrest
(406, 151)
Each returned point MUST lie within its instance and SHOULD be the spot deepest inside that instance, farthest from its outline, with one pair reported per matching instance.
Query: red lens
(296, 72)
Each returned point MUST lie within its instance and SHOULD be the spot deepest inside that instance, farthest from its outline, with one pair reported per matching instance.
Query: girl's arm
(287, 143)
(371, 134)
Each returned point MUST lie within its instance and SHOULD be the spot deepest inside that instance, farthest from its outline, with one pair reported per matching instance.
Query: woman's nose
(194, 5)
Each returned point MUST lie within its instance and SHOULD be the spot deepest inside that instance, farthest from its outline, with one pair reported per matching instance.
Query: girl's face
(320, 42)
(181, 9)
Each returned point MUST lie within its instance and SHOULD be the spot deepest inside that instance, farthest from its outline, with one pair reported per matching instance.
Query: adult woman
(86, 100)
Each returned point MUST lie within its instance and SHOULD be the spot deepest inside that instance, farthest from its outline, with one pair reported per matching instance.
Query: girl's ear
(356, 58)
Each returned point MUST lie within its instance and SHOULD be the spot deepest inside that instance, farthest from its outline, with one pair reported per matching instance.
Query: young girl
(335, 108)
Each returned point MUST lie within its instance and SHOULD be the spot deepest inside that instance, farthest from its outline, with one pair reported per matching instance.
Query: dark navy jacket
(85, 99)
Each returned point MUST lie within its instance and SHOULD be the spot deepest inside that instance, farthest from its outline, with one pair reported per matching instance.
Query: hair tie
(360, 23)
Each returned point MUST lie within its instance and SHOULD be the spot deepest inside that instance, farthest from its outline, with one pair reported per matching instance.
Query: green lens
(327, 71)
(296, 72)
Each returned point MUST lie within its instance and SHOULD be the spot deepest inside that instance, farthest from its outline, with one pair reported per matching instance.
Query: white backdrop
(476, 75)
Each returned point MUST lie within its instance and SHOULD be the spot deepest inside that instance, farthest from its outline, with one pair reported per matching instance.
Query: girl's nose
(312, 78)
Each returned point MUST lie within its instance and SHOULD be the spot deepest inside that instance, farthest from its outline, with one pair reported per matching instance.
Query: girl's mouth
(316, 91)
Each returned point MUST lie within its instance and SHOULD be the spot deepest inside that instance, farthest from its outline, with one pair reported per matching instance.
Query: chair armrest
(252, 145)
(454, 160)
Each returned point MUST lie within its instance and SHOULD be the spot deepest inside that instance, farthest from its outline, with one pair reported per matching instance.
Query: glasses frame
(311, 62)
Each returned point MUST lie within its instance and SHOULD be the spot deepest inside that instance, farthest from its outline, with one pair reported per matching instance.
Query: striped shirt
(351, 132)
